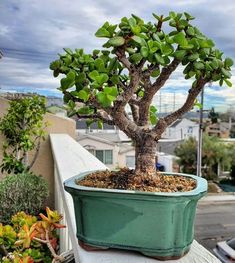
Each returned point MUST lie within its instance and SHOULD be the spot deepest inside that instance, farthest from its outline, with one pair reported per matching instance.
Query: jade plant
(117, 84)
(29, 240)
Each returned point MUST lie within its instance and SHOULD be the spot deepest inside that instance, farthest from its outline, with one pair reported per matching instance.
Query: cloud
(33, 32)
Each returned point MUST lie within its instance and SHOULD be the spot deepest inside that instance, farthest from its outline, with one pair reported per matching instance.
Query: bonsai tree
(117, 84)
(23, 129)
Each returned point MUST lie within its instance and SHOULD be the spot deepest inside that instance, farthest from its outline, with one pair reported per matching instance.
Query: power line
(30, 52)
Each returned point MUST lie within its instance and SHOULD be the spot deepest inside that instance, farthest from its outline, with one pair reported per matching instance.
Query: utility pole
(174, 102)
(160, 102)
(199, 148)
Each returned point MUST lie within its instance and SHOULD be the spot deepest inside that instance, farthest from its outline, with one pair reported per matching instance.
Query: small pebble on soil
(126, 179)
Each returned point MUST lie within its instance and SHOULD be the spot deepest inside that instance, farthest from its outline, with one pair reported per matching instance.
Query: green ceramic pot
(158, 225)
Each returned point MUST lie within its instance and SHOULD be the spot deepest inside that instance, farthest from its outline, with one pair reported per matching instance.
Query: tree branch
(97, 116)
(135, 112)
(163, 123)
(151, 90)
(120, 53)
(36, 153)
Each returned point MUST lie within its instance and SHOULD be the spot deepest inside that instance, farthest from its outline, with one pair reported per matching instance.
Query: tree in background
(213, 116)
(214, 152)
(232, 132)
(23, 129)
(134, 65)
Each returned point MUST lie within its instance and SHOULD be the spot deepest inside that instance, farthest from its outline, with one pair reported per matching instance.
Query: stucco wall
(44, 164)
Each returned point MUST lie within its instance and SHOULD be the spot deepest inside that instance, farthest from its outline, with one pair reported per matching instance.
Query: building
(219, 129)
(182, 129)
(109, 148)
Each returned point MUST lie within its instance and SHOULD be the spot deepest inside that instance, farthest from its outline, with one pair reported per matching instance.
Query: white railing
(70, 159)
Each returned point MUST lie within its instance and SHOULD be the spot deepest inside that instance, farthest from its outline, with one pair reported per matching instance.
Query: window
(190, 129)
(105, 156)
(130, 161)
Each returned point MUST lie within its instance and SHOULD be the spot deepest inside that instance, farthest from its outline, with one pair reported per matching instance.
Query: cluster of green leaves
(95, 75)
(24, 192)
(17, 238)
(99, 75)
(22, 127)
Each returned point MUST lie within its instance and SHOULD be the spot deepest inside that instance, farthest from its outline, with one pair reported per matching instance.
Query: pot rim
(201, 186)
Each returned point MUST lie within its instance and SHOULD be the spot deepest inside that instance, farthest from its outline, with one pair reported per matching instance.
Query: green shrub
(23, 192)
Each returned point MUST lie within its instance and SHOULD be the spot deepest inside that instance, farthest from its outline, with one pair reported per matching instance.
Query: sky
(33, 32)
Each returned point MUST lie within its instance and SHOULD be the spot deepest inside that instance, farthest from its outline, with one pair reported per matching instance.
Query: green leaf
(102, 78)
(166, 49)
(81, 77)
(84, 95)
(100, 124)
(153, 109)
(214, 64)
(198, 65)
(221, 82)
(102, 32)
(153, 119)
(136, 29)
(55, 64)
(68, 81)
(153, 116)
(130, 50)
(85, 110)
(139, 40)
(68, 50)
(144, 51)
(99, 64)
(197, 104)
(228, 62)
(103, 99)
(93, 74)
(111, 91)
(188, 46)
(156, 16)
(159, 59)
(155, 73)
(188, 16)
(132, 22)
(140, 93)
(135, 58)
(190, 31)
(112, 63)
(229, 84)
(193, 57)
(179, 54)
(180, 39)
(115, 79)
(116, 41)
(206, 43)
(226, 73)
(95, 52)
(172, 14)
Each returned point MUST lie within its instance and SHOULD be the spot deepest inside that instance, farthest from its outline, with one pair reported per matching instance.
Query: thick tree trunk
(145, 156)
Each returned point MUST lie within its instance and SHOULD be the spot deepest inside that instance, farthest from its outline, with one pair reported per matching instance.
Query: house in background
(182, 129)
(113, 149)
(219, 129)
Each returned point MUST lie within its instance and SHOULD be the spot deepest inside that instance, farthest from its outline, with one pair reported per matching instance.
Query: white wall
(182, 130)
(98, 145)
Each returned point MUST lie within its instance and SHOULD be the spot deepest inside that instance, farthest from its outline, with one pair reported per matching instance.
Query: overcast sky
(32, 32)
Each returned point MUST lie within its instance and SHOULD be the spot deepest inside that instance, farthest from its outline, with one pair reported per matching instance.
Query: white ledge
(70, 159)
